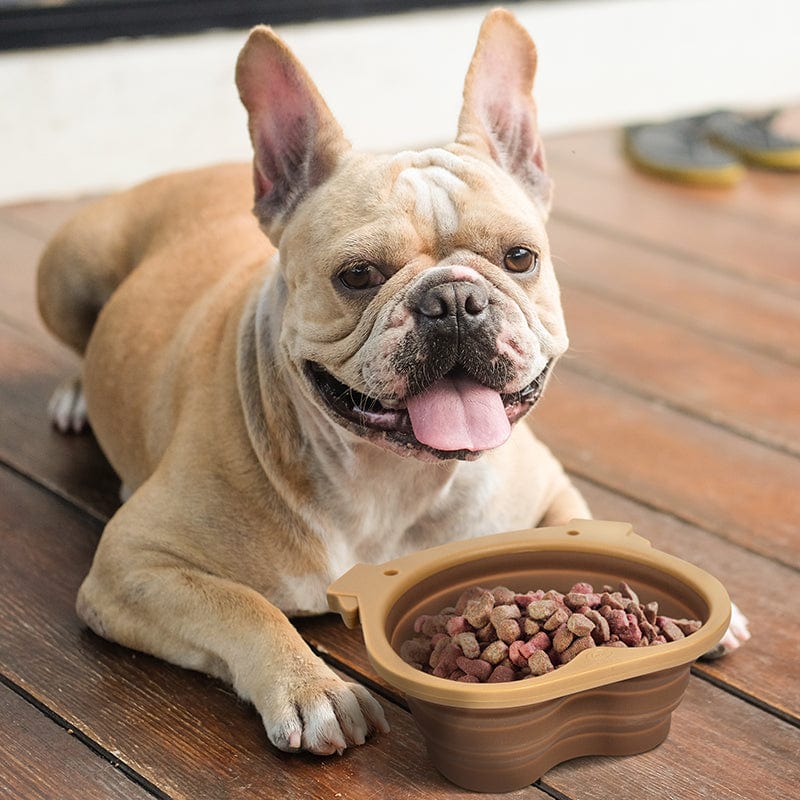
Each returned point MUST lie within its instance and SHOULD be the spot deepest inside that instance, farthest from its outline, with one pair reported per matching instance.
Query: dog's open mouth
(456, 417)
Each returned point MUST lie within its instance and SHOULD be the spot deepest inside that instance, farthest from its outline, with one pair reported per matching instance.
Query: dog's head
(420, 306)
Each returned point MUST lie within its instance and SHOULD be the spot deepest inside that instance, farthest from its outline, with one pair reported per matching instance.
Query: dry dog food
(493, 635)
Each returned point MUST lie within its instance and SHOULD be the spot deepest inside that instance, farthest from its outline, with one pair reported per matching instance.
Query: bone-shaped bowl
(606, 701)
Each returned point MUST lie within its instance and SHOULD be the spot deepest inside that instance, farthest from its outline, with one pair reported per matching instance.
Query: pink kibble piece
(456, 625)
(541, 641)
(501, 674)
(476, 667)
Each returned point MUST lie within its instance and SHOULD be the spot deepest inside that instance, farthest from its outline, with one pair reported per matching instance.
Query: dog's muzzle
(456, 402)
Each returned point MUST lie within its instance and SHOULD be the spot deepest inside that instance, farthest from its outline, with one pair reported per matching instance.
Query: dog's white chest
(399, 520)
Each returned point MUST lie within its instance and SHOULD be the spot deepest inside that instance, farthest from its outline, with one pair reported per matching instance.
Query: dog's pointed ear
(499, 115)
(296, 140)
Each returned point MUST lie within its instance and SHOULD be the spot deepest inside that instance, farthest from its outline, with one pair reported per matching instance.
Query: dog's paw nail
(67, 408)
(295, 740)
(717, 652)
(737, 634)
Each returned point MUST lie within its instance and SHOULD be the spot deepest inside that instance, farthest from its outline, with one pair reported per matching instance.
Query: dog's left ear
(296, 140)
(499, 114)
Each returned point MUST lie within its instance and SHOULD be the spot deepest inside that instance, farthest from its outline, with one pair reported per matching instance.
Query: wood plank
(740, 489)
(707, 236)
(43, 218)
(21, 253)
(41, 759)
(183, 732)
(664, 286)
(759, 669)
(751, 393)
(771, 198)
(73, 466)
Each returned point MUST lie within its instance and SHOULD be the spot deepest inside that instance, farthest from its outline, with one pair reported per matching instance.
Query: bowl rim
(367, 593)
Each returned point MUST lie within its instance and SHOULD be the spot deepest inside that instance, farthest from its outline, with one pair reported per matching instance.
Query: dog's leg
(567, 504)
(80, 268)
(141, 596)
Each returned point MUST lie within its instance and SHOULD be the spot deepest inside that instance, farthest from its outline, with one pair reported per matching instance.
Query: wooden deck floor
(678, 409)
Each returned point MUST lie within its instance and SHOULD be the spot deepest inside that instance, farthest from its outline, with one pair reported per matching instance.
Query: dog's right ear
(296, 140)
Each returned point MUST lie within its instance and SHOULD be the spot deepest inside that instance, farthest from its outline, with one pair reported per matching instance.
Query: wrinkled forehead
(446, 190)
(428, 200)
(432, 183)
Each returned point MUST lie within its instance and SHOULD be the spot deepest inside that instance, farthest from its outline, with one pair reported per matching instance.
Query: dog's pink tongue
(459, 414)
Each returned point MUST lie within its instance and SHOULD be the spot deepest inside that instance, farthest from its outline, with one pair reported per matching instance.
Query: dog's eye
(521, 259)
(361, 276)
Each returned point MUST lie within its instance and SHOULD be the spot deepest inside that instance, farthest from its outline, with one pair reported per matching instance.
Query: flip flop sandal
(753, 140)
(680, 150)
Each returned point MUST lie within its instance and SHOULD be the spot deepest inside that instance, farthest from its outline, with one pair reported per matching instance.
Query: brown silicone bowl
(607, 701)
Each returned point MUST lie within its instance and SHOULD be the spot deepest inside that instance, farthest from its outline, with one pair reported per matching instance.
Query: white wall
(93, 118)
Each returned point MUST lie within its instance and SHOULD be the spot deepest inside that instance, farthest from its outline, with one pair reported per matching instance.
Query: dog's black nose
(453, 299)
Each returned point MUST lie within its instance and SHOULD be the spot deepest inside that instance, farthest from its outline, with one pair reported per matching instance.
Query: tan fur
(246, 498)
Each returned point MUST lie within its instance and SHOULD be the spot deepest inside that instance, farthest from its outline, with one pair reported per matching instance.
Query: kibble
(497, 635)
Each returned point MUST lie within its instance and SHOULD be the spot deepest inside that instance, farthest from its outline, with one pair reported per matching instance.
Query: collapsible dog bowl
(606, 701)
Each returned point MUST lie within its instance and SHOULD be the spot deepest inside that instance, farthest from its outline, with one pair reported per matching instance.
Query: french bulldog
(348, 387)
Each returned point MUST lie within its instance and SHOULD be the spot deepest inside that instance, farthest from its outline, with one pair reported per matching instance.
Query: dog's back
(96, 250)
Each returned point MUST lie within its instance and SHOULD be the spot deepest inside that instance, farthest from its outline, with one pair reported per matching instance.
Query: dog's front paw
(67, 408)
(320, 713)
(737, 634)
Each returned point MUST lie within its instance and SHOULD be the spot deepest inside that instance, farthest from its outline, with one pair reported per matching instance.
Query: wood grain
(73, 466)
(697, 233)
(29, 740)
(737, 488)
(43, 218)
(716, 304)
(750, 393)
